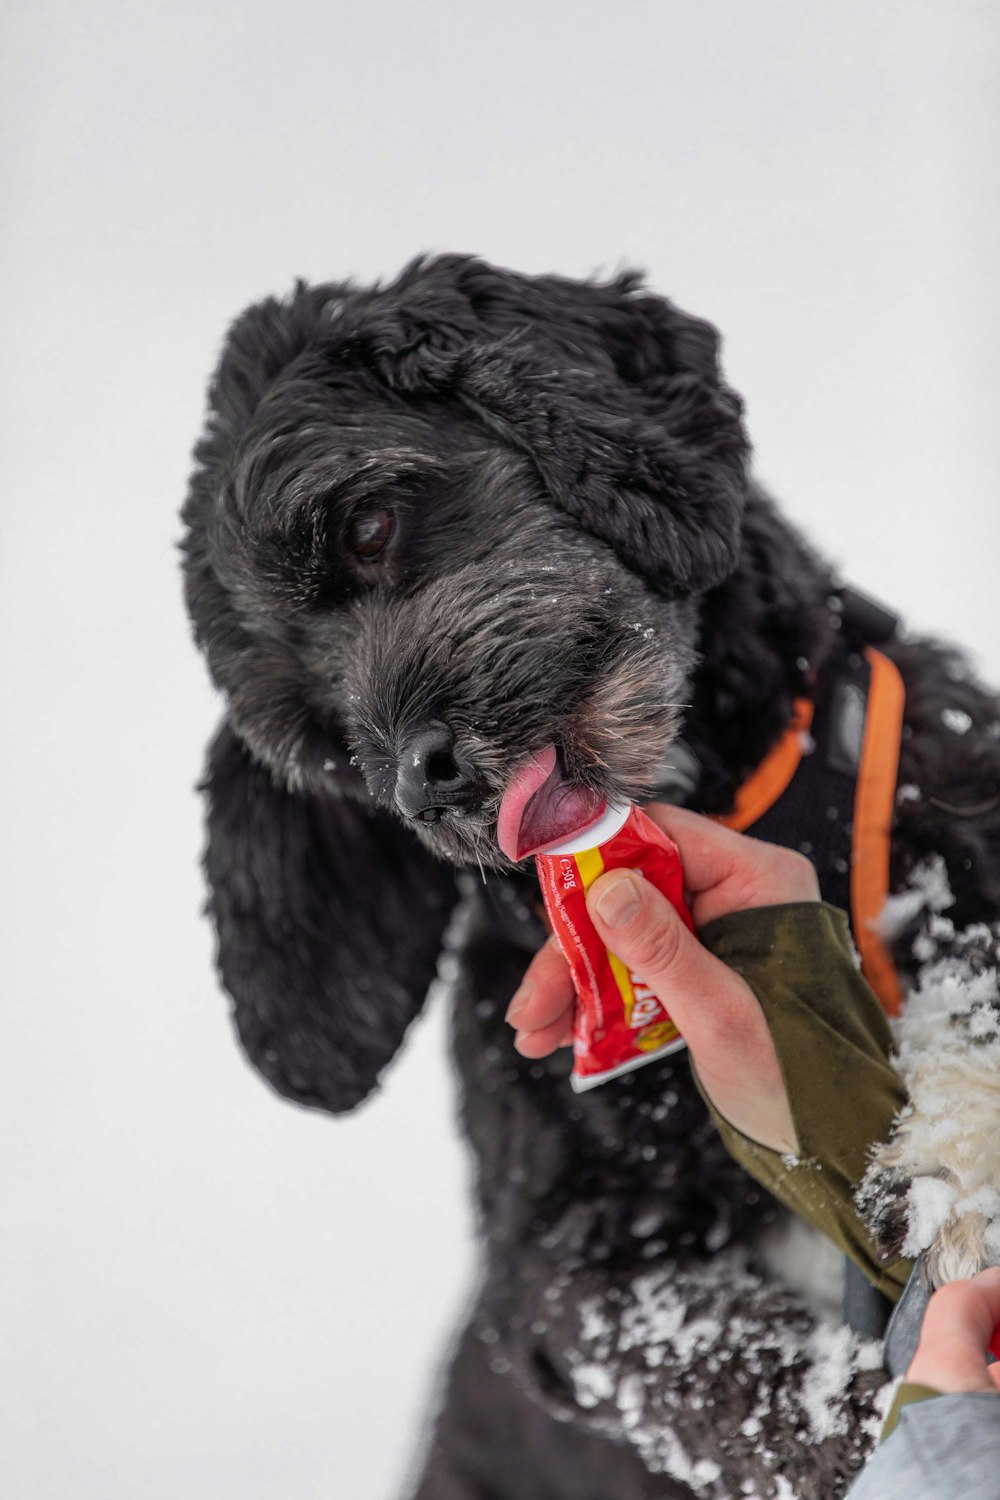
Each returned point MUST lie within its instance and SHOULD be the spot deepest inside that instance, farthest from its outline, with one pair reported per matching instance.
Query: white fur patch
(948, 1139)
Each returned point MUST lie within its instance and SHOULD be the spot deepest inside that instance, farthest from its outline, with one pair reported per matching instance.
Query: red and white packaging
(620, 1024)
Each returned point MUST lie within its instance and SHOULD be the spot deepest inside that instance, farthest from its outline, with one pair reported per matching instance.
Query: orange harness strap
(874, 800)
(764, 786)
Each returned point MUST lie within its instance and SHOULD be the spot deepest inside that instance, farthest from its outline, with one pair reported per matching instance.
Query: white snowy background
(207, 1294)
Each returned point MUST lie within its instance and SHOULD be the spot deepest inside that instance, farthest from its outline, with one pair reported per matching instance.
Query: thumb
(716, 1012)
(640, 926)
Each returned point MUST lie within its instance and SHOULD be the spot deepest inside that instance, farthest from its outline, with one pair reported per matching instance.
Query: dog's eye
(369, 534)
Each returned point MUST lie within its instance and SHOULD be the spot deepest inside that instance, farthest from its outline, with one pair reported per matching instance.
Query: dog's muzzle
(432, 780)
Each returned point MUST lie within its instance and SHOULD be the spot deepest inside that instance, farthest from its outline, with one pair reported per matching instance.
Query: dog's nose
(431, 778)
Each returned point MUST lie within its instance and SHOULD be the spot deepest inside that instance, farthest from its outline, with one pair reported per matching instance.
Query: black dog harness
(828, 787)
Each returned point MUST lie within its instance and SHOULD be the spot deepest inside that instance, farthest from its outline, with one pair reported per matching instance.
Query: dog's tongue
(540, 808)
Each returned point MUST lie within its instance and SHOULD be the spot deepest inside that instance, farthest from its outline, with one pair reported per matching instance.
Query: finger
(540, 1043)
(726, 871)
(545, 992)
(973, 1306)
(710, 850)
(986, 1287)
(957, 1328)
(988, 1284)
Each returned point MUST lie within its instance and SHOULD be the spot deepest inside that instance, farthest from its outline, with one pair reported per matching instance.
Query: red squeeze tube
(620, 1024)
(994, 1344)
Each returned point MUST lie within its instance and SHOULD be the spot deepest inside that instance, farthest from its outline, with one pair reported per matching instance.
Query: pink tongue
(539, 808)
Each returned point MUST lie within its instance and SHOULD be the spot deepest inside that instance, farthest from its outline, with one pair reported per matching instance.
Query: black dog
(433, 528)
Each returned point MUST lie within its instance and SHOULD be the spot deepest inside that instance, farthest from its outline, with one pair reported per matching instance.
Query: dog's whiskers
(475, 850)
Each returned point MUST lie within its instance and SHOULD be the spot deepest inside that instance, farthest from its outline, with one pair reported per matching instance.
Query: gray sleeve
(903, 1332)
(947, 1446)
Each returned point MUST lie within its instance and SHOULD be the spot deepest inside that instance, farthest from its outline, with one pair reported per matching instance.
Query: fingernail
(619, 902)
(520, 1000)
(520, 1037)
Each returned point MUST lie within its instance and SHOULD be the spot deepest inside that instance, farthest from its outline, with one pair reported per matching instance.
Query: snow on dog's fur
(945, 1149)
(478, 513)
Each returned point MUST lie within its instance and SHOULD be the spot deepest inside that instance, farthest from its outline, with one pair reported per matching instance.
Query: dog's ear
(330, 918)
(663, 481)
(615, 394)
(261, 343)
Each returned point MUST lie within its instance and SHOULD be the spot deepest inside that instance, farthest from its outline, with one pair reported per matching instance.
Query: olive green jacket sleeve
(833, 1044)
(908, 1393)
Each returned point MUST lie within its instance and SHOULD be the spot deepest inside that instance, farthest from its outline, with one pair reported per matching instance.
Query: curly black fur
(296, 938)
(577, 556)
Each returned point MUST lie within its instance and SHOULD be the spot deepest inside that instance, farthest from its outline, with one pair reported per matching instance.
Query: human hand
(958, 1324)
(717, 1013)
